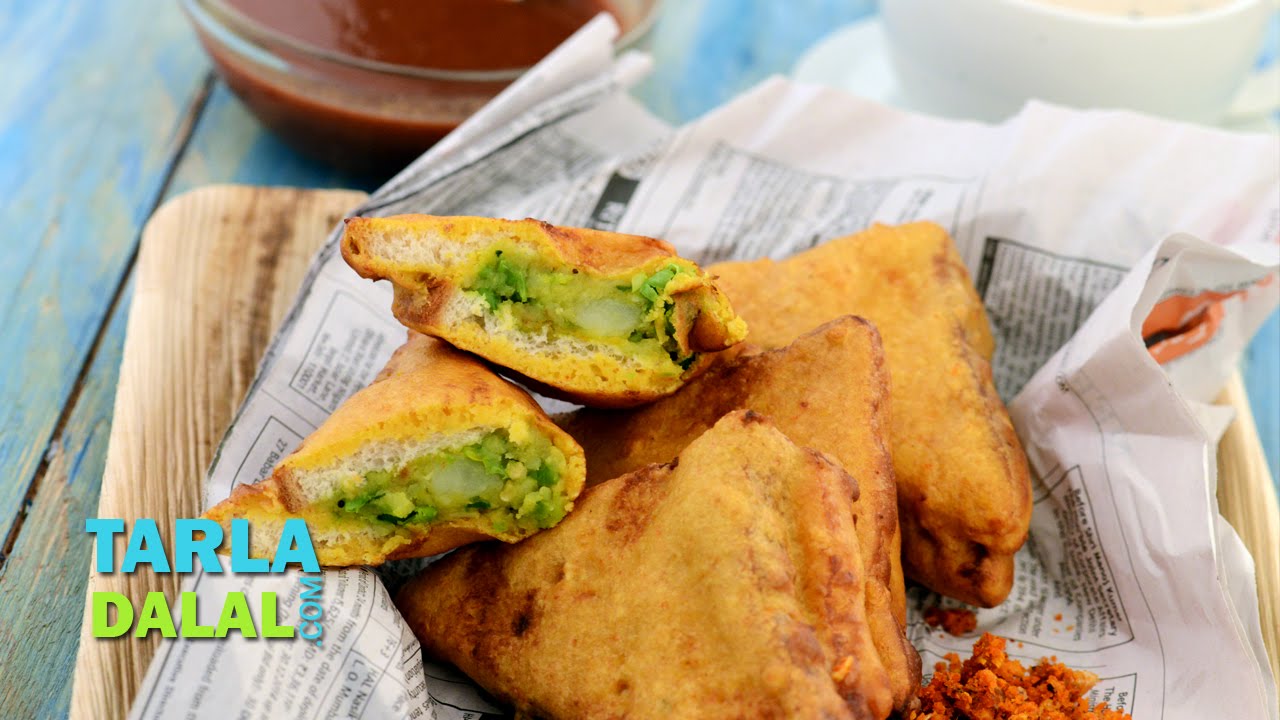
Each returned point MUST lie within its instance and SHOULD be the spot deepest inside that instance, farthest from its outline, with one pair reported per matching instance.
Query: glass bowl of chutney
(370, 84)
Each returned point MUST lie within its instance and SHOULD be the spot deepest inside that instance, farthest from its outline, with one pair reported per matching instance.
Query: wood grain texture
(93, 107)
(1260, 368)
(230, 146)
(208, 296)
(1247, 499)
(42, 585)
(96, 108)
(217, 270)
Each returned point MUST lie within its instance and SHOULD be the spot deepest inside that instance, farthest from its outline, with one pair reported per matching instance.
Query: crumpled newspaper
(1076, 226)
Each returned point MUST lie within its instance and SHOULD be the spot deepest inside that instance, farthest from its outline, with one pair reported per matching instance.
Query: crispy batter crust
(426, 388)
(727, 584)
(606, 253)
(963, 485)
(828, 390)
(704, 321)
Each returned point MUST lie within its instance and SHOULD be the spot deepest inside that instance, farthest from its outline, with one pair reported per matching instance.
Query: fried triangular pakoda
(725, 585)
(600, 318)
(828, 390)
(964, 493)
(437, 452)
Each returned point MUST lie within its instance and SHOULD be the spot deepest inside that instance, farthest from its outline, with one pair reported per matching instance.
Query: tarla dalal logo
(195, 545)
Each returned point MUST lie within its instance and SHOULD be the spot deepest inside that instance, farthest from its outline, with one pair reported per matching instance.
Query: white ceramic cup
(983, 59)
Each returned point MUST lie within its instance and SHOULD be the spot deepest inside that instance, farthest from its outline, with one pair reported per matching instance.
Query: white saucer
(855, 58)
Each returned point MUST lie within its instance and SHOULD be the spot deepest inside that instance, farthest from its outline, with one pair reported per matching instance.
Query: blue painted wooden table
(109, 109)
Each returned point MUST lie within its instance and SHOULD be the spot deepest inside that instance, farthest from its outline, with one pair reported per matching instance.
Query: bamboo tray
(217, 270)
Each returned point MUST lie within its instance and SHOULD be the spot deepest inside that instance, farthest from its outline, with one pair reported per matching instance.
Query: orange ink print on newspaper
(1180, 324)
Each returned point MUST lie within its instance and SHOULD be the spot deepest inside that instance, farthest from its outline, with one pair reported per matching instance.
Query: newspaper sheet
(1074, 226)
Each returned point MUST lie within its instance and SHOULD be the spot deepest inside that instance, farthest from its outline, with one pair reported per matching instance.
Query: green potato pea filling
(514, 486)
(602, 309)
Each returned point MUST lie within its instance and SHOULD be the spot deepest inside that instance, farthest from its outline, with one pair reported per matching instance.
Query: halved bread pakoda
(600, 318)
(725, 585)
(437, 452)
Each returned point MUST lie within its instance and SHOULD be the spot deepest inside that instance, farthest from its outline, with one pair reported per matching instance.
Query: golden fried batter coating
(964, 495)
(427, 394)
(727, 584)
(828, 390)
(600, 318)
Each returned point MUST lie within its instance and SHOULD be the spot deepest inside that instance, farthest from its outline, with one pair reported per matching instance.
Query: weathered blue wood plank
(90, 113)
(43, 584)
(1262, 383)
(229, 145)
(705, 52)
(708, 51)
(123, 83)
(42, 587)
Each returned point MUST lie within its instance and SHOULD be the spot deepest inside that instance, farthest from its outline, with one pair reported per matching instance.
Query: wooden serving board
(217, 269)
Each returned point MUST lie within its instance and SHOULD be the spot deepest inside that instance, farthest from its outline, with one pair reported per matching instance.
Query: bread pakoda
(725, 585)
(437, 452)
(963, 486)
(828, 390)
(599, 318)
